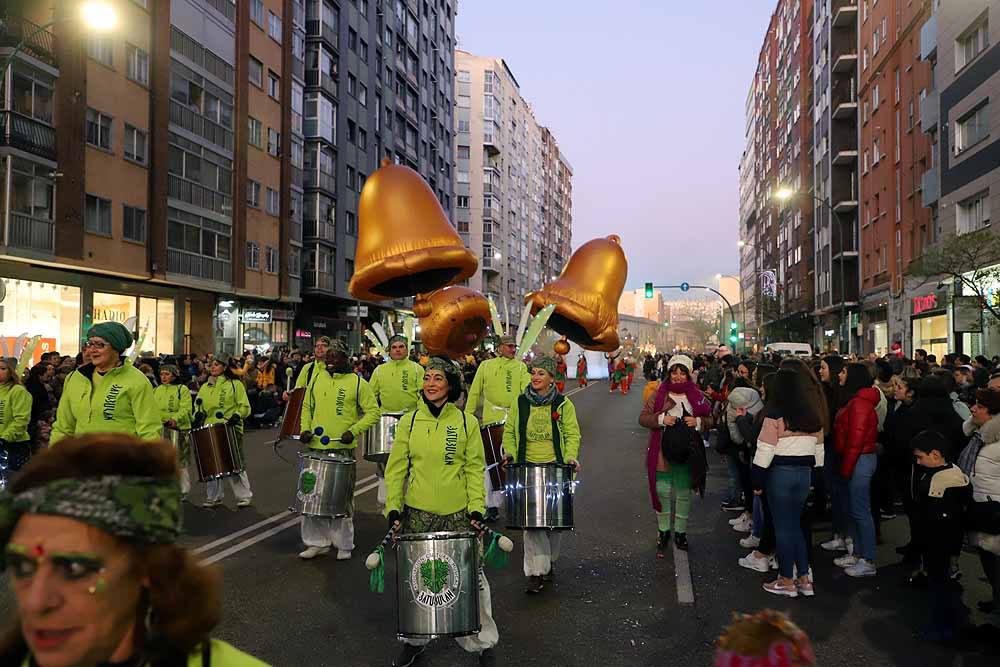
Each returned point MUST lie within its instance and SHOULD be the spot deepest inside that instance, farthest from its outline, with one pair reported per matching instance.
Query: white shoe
(244, 502)
(743, 526)
(836, 544)
(809, 574)
(740, 518)
(773, 562)
(312, 552)
(750, 542)
(211, 503)
(845, 561)
(343, 555)
(751, 562)
(863, 568)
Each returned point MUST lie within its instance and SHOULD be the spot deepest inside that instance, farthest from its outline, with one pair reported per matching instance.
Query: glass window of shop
(150, 318)
(41, 309)
(265, 336)
(931, 334)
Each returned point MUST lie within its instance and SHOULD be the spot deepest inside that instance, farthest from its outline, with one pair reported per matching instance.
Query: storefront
(245, 325)
(929, 323)
(875, 329)
(36, 308)
(151, 318)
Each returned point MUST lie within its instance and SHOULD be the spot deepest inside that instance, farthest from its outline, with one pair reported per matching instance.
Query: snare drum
(539, 496)
(377, 441)
(437, 585)
(174, 436)
(291, 421)
(493, 446)
(217, 451)
(325, 485)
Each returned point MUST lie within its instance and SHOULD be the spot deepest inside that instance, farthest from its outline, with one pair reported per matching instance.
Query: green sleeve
(472, 400)
(20, 409)
(570, 430)
(184, 416)
(65, 423)
(308, 409)
(398, 466)
(144, 410)
(242, 407)
(525, 378)
(375, 384)
(370, 407)
(475, 468)
(510, 430)
(300, 381)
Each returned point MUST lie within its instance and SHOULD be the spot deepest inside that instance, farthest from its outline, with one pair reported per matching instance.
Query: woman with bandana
(542, 428)
(107, 394)
(89, 533)
(174, 401)
(223, 399)
(434, 485)
(15, 413)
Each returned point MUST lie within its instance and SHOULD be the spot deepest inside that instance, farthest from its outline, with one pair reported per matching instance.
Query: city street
(613, 603)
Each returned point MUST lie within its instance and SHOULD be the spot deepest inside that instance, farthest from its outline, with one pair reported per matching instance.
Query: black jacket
(942, 496)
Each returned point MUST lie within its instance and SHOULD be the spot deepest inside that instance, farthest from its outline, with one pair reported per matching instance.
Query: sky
(646, 99)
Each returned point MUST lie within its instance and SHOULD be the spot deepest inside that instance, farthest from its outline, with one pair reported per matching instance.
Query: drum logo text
(435, 581)
(341, 400)
(450, 444)
(110, 401)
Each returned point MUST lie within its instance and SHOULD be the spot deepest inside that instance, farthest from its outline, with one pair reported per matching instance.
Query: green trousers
(675, 482)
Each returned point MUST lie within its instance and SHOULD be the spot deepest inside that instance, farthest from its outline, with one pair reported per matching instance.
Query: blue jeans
(787, 490)
(735, 488)
(837, 489)
(861, 525)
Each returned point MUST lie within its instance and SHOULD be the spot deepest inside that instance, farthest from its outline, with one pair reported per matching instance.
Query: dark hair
(989, 399)
(38, 370)
(454, 377)
(930, 441)
(761, 372)
(936, 385)
(883, 370)
(920, 350)
(983, 361)
(858, 378)
(931, 358)
(671, 368)
(835, 363)
(791, 398)
(945, 378)
(185, 596)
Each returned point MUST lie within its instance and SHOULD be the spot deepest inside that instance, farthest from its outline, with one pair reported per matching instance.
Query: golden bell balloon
(406, 246)
(453, 320)
(586, 295)
(561, 346)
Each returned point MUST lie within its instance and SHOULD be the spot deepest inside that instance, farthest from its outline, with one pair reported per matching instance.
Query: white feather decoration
(522, 327)
(380, 332)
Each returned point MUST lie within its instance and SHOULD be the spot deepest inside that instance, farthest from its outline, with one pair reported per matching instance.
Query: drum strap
(523, 412)
(206, 654)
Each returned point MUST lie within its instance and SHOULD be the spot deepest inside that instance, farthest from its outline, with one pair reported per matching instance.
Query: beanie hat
(338, 345)
(170, 368)
(399, 339)
(545, 362)
(681, 359)
(508, 340)
(11, 362)
(744, 397)
(115, 333)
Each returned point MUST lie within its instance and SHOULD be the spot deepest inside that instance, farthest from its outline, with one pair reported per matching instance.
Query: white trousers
(185, 480)
(494, 497)
(323, 532)
(541, 550)
(488, 635)
(380, 490)
(240, 484)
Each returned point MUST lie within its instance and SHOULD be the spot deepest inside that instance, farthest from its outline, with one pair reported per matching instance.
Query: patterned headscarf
(137, 509)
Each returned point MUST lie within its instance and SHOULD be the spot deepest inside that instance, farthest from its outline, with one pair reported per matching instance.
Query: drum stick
(373, 558)
(504, 542)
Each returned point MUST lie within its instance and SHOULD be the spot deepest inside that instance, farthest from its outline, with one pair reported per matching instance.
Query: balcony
(297, 178)
(199, 266)
(846, 111)
(847, 204)
(846, 62)
(930, 187)
(27, 134)
(490, 264)
(318, 281)
(491, 145)
(316, 28)
(28, 233)
(322, 231)
(198, 195)
(845, 157)
(198, 124)
(317, 79)
(38, 42)
(320, 180)
(928, 38)
(930, 110)
(846, 15)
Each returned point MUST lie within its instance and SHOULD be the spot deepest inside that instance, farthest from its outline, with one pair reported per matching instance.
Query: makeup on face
(23, 562)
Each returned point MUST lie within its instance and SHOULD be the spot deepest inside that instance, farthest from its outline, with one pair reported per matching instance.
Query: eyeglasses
(96, 344)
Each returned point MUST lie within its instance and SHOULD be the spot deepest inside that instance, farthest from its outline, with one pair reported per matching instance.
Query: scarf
(537, 399)
(700, 407)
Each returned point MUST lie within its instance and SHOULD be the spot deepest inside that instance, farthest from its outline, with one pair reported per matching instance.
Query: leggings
(675, 481)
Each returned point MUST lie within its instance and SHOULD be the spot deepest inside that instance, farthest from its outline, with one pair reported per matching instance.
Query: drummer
(107, 394)
(318, 363)
(223, 399)
(542, 428)
(396, 385)
(15, 413)
(434, 482)
(499, 381)
(174, 401)
(339, 406)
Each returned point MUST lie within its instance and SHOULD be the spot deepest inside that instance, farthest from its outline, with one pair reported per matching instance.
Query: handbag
(675, 441)
(984, 517)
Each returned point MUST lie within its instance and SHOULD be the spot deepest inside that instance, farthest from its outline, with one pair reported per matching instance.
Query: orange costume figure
(620, 377)
(630, 373)
(561, 373)
(581, 371)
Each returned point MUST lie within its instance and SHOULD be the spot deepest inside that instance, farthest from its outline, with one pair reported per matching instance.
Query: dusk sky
(646, 99)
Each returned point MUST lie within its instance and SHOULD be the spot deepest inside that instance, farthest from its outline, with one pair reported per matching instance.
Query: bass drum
(539, 496)
(291, 422)
(377, 441)
(493, 445)
(437, 585)
(217, 451)
(325, 485)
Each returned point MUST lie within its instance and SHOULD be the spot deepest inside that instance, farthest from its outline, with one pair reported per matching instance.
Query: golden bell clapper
(453, 320)
(406, 246)
(586, 295)
(561, 346)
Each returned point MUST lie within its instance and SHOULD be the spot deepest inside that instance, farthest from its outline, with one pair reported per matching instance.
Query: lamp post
(96, 16)
(742, 324)
(759, 302)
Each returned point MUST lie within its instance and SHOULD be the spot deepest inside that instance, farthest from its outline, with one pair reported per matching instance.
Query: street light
(96, 16)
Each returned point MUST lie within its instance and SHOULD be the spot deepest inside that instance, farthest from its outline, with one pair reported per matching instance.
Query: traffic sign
(685, 287)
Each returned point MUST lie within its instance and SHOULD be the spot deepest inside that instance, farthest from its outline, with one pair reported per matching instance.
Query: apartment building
(894, 224)
(746, 244)
(557, 208)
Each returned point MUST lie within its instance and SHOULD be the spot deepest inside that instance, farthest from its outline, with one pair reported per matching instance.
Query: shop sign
(303, 333)
(319, 325)
(277, 314)
(250, 316)
(967, 314)
(110, 315)
(357, 311)
(924, 303)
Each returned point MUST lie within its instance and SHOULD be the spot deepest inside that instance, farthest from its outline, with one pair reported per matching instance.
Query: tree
(970, 260)
(703, 330)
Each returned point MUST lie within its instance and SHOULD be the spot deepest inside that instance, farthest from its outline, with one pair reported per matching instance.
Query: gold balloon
(586, 295)
(561, 346)
(453, 320)
(406, 246)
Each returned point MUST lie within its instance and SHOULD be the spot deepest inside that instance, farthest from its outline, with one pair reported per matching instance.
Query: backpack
(675, 441)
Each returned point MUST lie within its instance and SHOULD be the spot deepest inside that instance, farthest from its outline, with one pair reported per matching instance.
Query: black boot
(662, 544)
(549, 576)
(535, 585)
(681, 541)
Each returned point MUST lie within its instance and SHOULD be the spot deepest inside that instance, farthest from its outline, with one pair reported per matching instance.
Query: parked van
(790, 349)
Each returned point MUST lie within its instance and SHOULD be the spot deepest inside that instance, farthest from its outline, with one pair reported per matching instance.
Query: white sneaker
(343, 555)
(743, 526)
(211, 503)
(809, 574)
(863, 568)
(312, 552)
(739, 519)
(845, 561)
(244, 502)
(752, 562)
(836, 544)
(772, 562)
(750, 542)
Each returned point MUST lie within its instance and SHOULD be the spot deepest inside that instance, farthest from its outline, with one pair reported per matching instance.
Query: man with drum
(499, 381)
(318, 363)
(339, 406)
(542, 428)
(434, 482)
(396, 385)
(174, 402)
(223, 400)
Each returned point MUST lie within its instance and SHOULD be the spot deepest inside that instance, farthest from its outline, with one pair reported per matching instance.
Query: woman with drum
(174, 401)
(542, 428)
(434, 479)
(223, 400)
(339, 406)
(89, 534)
(15, 413)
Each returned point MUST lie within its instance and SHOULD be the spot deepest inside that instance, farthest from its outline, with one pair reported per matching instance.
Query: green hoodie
(174, 402)
(221, 654)
(308, 372)
(500, 381)
(15, 412)
(222, 400)
(440, 460)
(397, 385)
(539, 448)
(332, 403)
(120, 401)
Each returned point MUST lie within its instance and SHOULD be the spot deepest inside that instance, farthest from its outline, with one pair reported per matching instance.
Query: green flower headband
(137, 509)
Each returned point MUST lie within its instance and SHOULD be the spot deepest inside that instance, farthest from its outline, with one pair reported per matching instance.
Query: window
(137, 61)
(462, 201)
(274, 27)
(971, 43)
(271, 260)
(974, 212)
(463, 76)
(98, 129)
(133, 224)
(896, 99)
(257, 12)
(898, 138)
(875, 41)
(350, 224)
(875, 98)
(352, 85)
(98, 215)
(256, 70)
(363, 51)
(256, 132)
(273, 203)
(971, 128)
(348, 269)
(273, 142)
(363, 94)
(899, 204)
(101, 49)
(273, 85)
(351, 176)
(864, 58)
(135, 144)
(361, 181)
(463, 153)
(253, 193)
(253, 255)
(352, 39)
(876, 152)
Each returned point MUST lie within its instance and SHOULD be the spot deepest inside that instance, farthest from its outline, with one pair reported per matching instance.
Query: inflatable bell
(561, 346)
(453, 320)
(406, 246)
(586, 295)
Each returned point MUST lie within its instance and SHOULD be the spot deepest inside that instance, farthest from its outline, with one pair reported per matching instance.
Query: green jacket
(120, 401)
(15, 412)
(539, 447)
(499, 381)
(397, 385)
(440, 460)
(222, 655)
(222, 400)
(335, 403)
(308, 373)
(174, 402)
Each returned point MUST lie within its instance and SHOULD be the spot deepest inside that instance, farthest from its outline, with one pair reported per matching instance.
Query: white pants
(323, 532)
(240, 484)
(541, 551)
(185, 480)
(381, 490)
(488, 635)
(494, 497)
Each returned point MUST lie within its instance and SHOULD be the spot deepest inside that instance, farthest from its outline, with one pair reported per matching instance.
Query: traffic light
(649, 290)
(733, 332)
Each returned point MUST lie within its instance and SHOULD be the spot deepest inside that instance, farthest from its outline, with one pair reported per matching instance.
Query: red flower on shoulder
(555, 415)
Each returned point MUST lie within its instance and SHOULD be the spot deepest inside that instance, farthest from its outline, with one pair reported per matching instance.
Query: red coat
(856, 429)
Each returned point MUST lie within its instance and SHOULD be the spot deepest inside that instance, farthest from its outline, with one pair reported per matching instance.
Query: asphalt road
(613, 603)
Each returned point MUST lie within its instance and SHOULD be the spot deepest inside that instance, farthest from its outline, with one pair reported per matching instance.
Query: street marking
(245, 544)
(249, 529)
(682, 571)
(579, 389)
